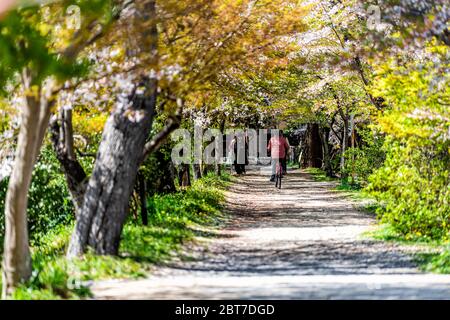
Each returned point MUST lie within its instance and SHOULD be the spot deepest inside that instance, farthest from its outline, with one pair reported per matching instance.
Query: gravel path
(301, 242)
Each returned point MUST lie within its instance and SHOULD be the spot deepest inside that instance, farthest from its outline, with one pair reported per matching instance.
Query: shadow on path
(300, 242)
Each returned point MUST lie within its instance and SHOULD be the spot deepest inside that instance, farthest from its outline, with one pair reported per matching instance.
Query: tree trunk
(106, 202)
(197, 171)
(325, 133)
(169, 180)
(218, 169)
(314, 154)
(377, 102)
(344, 142)
(352, 145)
(17, 258)
(62, 139)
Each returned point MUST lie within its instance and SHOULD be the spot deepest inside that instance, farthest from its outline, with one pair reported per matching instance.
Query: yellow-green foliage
(414, 183)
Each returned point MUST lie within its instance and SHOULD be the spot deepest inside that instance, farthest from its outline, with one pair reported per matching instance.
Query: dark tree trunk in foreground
(106, 202)
(314, 153)
(218, 169)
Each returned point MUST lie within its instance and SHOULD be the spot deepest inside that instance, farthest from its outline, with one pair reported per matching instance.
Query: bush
(413, 187)
(361, 162)
(49, 204)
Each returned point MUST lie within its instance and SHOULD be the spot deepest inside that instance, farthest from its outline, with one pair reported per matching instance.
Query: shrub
(361, 162)
(413, 188)
(413, 185)
(49, 204)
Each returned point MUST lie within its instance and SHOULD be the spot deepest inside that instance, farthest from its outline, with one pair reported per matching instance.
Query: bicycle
(279, 174)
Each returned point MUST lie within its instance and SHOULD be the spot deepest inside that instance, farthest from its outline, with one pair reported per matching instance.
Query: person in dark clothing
(239, 146)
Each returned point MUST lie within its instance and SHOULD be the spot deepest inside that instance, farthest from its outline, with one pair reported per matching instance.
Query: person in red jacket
(278, 148)
(5, 6)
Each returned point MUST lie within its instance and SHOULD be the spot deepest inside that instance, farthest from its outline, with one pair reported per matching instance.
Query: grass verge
(319, 175)
(173, 221)
(430, 255)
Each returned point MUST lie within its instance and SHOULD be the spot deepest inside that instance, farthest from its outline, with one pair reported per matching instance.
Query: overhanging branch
(157, 141)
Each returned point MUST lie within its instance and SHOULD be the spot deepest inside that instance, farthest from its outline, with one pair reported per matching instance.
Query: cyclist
(278, 148)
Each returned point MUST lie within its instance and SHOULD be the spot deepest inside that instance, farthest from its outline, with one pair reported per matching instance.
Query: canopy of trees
(91, 90)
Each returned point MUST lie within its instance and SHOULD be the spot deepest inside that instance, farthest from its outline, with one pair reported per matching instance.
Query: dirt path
(301, 242)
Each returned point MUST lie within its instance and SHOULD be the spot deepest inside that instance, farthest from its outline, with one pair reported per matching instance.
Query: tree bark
(218, 169)
(106, 202)
(345, 119)
(156, 142)
(62, 139)
(164, 183)
(205, 170)
(314, 147)
(352, 144)
(34, 121)
(17, 258)
(325, 134)
(167, 184)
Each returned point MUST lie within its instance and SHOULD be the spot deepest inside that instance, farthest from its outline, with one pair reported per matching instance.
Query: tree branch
(156, 142)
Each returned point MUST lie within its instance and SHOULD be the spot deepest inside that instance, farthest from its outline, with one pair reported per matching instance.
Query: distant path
(301, 242)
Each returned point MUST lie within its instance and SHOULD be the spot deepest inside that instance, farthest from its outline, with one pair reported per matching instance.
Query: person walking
(278, 148)
(239, 151)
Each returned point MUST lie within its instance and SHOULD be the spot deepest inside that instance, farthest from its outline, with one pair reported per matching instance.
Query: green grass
(388, 233)
(432, 256)
(175, 219)
(435, 262)
(319, 174)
